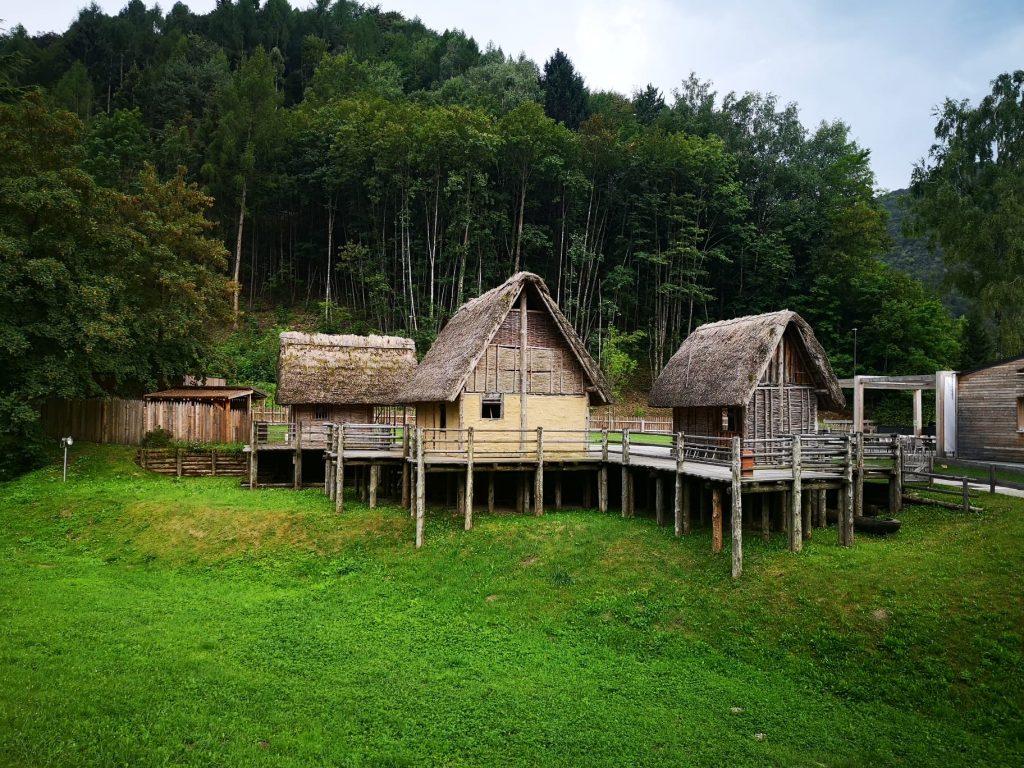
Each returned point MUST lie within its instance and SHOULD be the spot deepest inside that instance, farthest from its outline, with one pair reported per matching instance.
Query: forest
(347, 165)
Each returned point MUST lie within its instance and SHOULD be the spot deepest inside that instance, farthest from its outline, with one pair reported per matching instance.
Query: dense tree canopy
(382, 173)
(969, 199)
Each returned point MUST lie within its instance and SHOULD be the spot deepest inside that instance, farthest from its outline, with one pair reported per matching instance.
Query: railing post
(339, 471)
(796, 518)
(679, 503)
(896, 482)
(178, 461)
(469, 479)
(858, 478)
(421, 488)
(627, 484)
(737, 510)
(538, 477)
(846, 495)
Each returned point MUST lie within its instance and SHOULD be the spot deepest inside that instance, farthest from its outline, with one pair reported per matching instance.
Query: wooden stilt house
(754, 377)
(341, 378)
(477, 375)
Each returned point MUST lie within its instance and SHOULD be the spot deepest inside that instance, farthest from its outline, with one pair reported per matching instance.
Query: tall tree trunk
(330, 250)
(238, 259)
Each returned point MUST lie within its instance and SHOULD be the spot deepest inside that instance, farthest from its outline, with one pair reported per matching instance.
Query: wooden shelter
(229, 398)
(341, 378)
(476, 374)
(754, 377)
(990, 412)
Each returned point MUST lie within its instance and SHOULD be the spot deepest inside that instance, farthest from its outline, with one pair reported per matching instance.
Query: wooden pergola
(915, 384)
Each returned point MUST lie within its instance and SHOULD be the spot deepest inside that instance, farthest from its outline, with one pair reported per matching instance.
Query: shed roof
(442, 373)
(720, 364)
(315, 368)
(205, 393)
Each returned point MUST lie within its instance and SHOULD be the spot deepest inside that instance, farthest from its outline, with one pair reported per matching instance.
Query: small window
(320, 412)
(492, 407)
(1020, 414)
(730, 420)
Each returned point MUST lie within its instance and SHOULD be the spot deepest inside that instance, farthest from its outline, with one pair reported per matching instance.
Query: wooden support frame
(374, 482)
(796, 501)
(737, 511)
(468, 512)
(538, 475)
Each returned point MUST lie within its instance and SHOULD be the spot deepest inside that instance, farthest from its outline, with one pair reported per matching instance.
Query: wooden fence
(184, 463)
(127, 421)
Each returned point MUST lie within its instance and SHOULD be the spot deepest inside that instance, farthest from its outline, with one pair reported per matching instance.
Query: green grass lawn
(147, 620)
(954, 468)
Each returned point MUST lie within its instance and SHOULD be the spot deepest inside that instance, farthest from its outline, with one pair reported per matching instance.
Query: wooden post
(737, 511)
(339, 472)
(918, 420)
(681, 487)
(468, 524)
(627, 488)
(806, 500)
(519, 493)
(587, 501)
(297, 468)
(538, 476)
(602, 474)
(716, 519)
(702, 503)
(406, 491)
(659, 501)
(213, 462)
(374, 481)
(858, 476)
(896, 480)
(846, 507)
(254, 469)
(558, 490)
(421, 488)
(796, 537)
(991, 478)
(490, 493)
(766, 519)
(178, 461)
(967, 496)
(460, 498)
(822, 508)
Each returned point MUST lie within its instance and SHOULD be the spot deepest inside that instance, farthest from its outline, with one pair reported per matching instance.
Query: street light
(65, 443)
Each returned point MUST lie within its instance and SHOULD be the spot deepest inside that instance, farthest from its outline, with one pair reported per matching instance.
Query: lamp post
(65, 442)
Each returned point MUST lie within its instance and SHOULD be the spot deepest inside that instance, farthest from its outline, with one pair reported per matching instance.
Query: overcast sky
(881, 66)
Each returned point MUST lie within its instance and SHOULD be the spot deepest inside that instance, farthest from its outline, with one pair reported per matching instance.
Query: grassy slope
(148, 620)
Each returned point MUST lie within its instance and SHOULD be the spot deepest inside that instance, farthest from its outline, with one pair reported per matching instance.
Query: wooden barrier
(126, 422)
(183, 463)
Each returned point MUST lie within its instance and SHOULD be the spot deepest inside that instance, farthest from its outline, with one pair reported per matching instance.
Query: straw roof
(442, 373)
(721, 363)
(315, 368)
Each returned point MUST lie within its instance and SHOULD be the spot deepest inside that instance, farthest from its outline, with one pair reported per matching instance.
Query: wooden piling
(421, 488)
(468, 522)
(858, 476)
(177, 459)
(896, 481)
(490, 493)
(339, 472)
(822, 508)
(806, 500)
(374, 482)
(716, 519)
(254, 469)
(627, 489)
(406, 500)
(795, 520)
(297, 462)
(846, 507)
(587, 483)
(967, 496)
(538, 475)
(737, 511)
(659, 500)
(681, 488)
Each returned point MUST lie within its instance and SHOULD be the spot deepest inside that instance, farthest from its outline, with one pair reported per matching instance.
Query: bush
(158, 438)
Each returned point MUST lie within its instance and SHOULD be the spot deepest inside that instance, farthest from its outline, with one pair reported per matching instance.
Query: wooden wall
(339, 414)
(552, 368)
(986, 413)
(127, 421)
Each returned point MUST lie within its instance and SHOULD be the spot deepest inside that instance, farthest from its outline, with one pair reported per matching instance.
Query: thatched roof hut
(441, 375)
(318, 368)
(721, 364)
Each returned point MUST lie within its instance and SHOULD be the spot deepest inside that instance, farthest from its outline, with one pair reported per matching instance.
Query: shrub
(158, 438)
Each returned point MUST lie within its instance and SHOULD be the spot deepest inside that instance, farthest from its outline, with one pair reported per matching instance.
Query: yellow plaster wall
(548, 411)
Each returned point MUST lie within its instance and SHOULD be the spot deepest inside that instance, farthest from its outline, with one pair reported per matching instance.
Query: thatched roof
(315, 368)
(442, 373)
(721, 363)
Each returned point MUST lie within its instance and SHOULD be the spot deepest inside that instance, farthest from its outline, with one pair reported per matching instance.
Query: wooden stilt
(297, 464)
(339, 472)
(421, 489)
(846, 505)
(254, 469)
(896, 481)
(766, 520)
(626, 485)
(805, 513)
(796, 537)
(602, 488)
(716, 519)
(558, 490)
(520, 484)
(858, 476)
(687, 514)
(822, 508)
(468, 522)
(659, 500)
(702, 503)
(538, 475)
(374, 481)
(737, 511)
(460, 498)
(587, 489)
(490, 493)
(677, 504)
